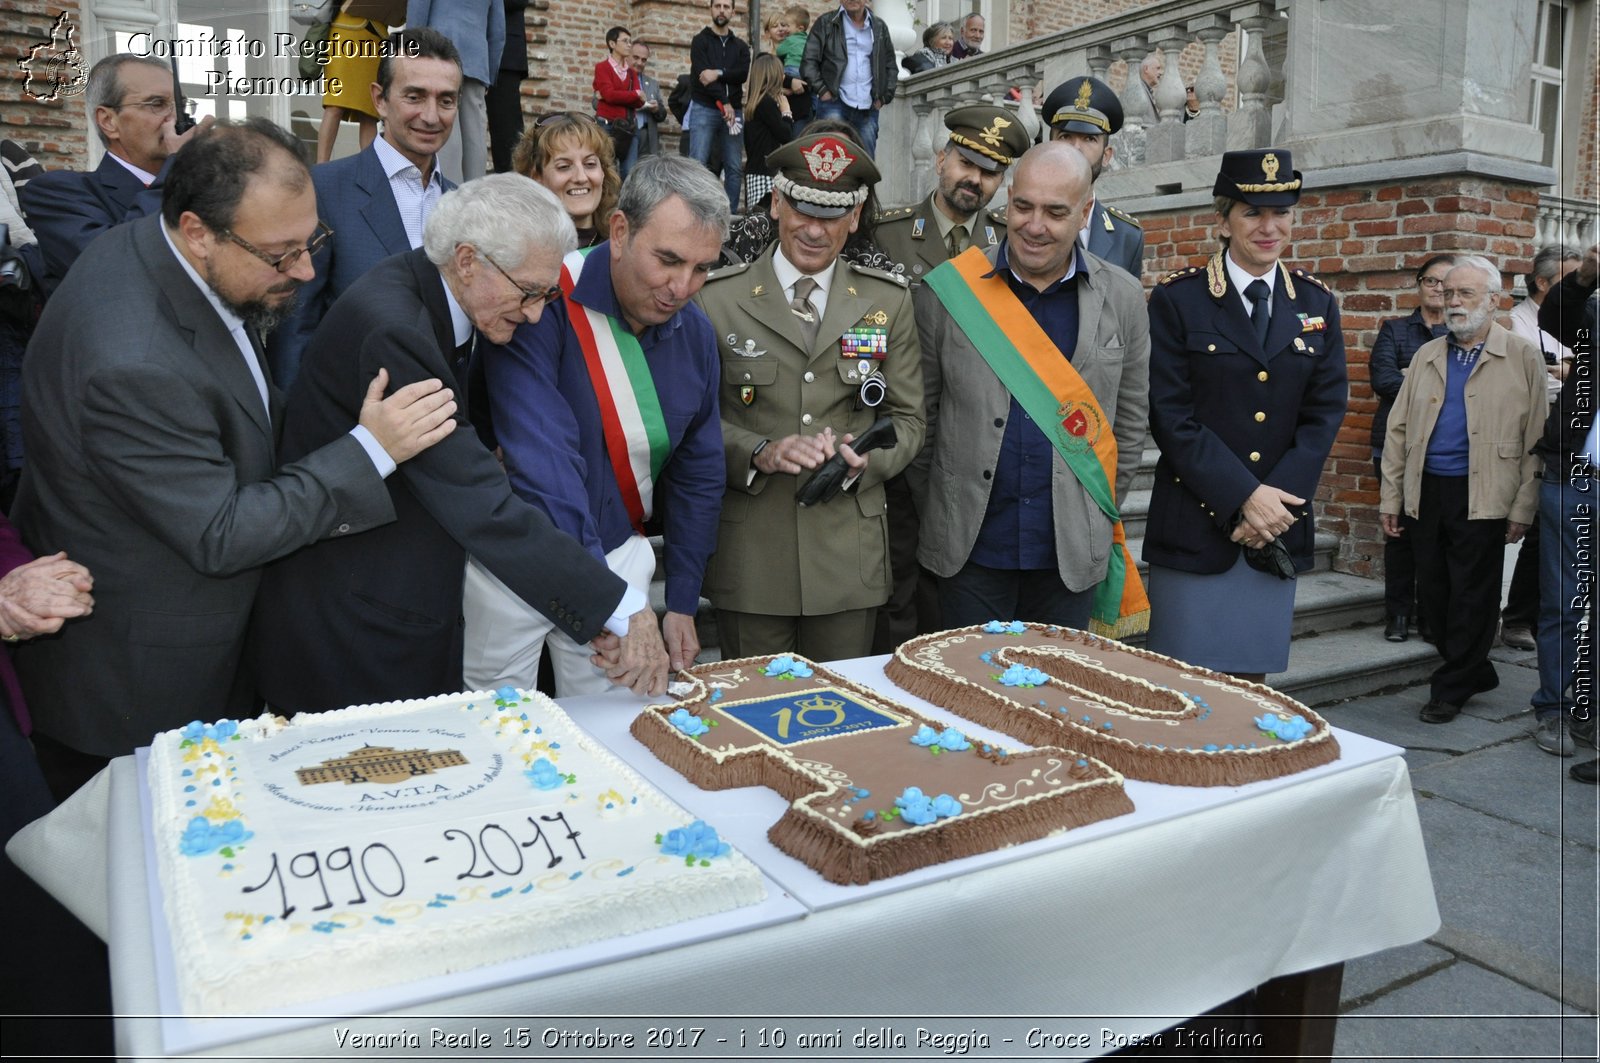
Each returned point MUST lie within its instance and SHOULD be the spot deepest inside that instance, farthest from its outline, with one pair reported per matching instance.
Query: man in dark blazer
(377, 201)
(382, 621)
(130, 99)
(647, 138)
(1085, 113)
(151, 451)
(986, 460)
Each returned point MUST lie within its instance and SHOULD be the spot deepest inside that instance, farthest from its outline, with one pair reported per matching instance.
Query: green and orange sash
(630, 410)
(1046, 385)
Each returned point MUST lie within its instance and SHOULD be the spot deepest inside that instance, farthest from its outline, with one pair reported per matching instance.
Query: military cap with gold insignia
(1261, 177)
(989, 137)
(1083, 105)
(823, 174)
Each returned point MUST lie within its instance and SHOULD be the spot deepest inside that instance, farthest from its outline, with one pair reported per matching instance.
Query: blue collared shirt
(548, 422)
(855, 84)
(1018, 529)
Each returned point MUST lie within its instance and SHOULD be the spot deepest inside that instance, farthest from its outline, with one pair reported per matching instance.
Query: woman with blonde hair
(572, 156)
(768, 125)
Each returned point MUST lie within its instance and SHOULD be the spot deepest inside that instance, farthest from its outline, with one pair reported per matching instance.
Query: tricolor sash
(1046, 385)
(630, 410)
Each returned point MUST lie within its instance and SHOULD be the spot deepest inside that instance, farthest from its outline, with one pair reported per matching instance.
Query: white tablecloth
(1196, 897)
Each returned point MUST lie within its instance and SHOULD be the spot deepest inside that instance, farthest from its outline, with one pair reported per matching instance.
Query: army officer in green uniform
(984, 140)
(970, 168)
(813, 349)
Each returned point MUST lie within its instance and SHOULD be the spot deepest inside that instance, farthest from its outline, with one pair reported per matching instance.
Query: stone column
(1250, 126)
(1360, 94)
(1138, 113)
(1207, 132)
(1166, 141)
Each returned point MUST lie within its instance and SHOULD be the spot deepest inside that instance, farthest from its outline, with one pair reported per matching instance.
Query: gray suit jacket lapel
(380, 211)
(192, 313)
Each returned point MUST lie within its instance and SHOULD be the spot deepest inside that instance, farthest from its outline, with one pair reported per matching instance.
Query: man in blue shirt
(606, 411)
(849, 64)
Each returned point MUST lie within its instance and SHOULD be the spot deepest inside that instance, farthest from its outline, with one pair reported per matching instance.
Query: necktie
(805, 311)
(956, 242)
(1258, 293)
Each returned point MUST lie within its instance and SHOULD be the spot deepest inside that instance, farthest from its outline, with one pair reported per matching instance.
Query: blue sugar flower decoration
(507, 694)
(544, 775)
(202, 836)
(699, 840)
(925, 736)
(786, 667)
(1020, 675)
(1286, 729)
(945, 806)
(953, 739)
(688, 723)
(915, 808)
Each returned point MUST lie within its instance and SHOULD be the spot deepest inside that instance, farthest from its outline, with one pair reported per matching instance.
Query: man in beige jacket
(1457, 464)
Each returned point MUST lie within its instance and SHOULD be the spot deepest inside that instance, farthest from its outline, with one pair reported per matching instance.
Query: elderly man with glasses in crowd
(348, 621)
(130, 98)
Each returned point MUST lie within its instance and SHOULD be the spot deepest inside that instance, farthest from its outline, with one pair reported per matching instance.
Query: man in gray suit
(1085, 113)
(151, 435)
(647, 138)
(1004, 434)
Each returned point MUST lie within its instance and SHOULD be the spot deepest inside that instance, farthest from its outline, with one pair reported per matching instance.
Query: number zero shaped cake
(875, 789)
(382, 844)
(1149, 716)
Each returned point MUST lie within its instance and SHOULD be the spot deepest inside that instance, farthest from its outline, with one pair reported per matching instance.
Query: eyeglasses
(529, 298)
(285, 262)
(1466, 295)
(157, 106)
(1432, 282)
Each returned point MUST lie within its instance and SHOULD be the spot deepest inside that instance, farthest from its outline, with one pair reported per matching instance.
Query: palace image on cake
(383, 844)
(875, 788)
(1149, 716)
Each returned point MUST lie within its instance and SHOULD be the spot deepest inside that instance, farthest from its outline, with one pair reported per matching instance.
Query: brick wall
(1365, 244)
(54, 132)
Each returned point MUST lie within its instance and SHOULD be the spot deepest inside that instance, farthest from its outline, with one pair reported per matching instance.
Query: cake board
(181, 1034)
(743, 816)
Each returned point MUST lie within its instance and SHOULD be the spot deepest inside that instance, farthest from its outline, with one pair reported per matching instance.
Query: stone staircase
(1339, 651)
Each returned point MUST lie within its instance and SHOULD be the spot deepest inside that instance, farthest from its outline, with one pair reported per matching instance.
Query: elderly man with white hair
(1459, 476)
(346, 623)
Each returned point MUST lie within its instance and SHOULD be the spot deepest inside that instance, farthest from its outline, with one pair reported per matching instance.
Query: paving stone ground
(1514, 847)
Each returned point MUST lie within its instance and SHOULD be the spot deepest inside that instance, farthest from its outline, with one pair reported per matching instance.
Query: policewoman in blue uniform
(1247, 391)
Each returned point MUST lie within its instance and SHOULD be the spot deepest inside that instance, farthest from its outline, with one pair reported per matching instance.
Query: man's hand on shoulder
(412, 419)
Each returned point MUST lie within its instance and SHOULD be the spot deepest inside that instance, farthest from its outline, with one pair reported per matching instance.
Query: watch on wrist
(759, 448)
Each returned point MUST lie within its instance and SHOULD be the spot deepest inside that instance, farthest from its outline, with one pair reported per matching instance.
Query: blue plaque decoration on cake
(804, 716)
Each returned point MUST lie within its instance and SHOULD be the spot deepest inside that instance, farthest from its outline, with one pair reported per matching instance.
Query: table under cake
(1126, 926)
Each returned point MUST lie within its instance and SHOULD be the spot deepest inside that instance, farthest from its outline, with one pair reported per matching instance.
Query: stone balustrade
(1153, 131)
(1573, 223)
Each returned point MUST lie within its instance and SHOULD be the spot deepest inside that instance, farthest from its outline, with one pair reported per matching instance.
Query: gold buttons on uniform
(1262, 376)
(810, 376)
(1211, 346)
(1255, 455)
(805, 419)
(1260, 416)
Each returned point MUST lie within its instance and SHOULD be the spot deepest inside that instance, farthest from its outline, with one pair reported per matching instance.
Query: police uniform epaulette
(1178, 275)
(727, 271)
(1303, 275)
(893, 215)
(1124, 216)
(881, 274)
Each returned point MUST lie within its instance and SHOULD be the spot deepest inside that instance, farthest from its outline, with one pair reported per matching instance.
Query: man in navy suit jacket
(131, 100)
(377, 201)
